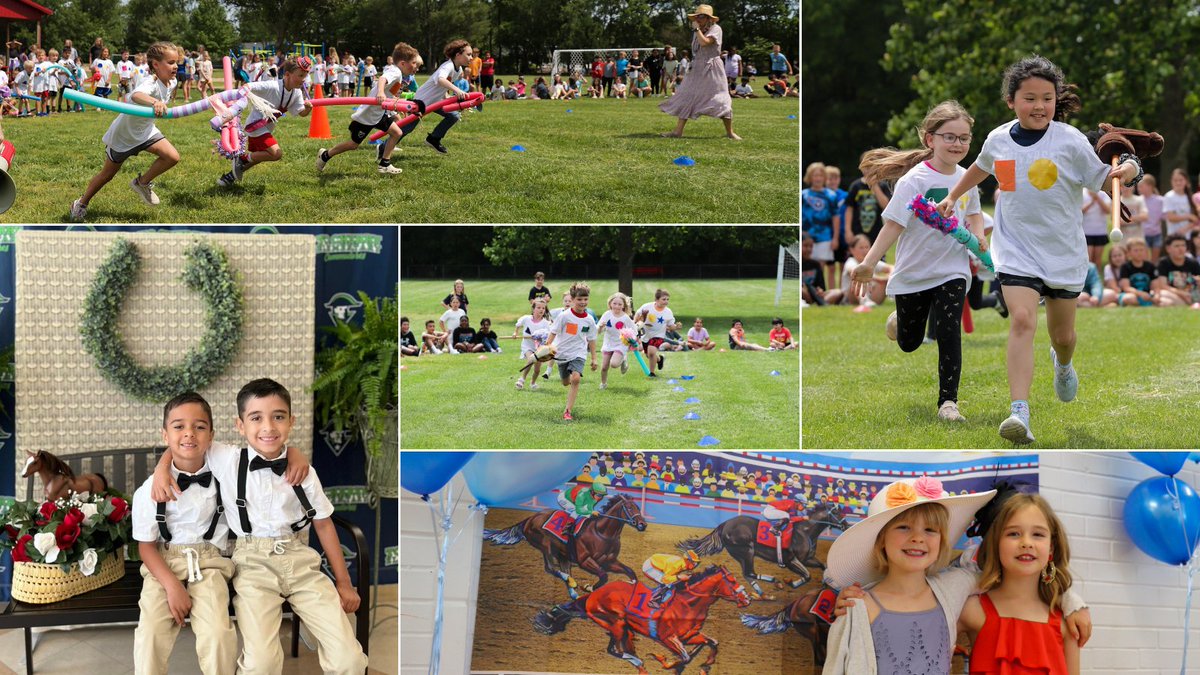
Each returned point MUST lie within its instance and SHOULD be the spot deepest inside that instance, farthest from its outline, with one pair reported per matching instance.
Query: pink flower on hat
(929, 488)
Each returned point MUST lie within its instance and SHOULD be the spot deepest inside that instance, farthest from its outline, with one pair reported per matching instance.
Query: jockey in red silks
(780, 512)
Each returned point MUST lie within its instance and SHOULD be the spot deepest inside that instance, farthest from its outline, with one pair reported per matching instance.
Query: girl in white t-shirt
(128, 135)
(932, 270)
(449, 319)
(1179, 212)
(1040, 251)
(612, 322)
(458, 54)
(533, 329)
(1097, 210)
(1148, 189)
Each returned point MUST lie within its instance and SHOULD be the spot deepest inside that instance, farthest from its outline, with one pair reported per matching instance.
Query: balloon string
(1187, 614)
(447, 521)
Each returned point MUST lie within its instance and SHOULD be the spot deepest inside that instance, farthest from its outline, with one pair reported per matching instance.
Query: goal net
(788, 269)
(578, 62)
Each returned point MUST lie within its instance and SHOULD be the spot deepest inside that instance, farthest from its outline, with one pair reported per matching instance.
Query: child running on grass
(932, 270)
(287, 96)
(655, 318)
(612, 322)
(578, 329)
(532, 329)
(128, 135)
(1043, 164)
(458, 53)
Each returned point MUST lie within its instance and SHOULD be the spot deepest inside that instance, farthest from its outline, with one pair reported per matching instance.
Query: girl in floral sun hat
(909, 617)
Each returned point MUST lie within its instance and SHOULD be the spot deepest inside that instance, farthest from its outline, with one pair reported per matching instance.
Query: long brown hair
(991, 572)
(890, 163)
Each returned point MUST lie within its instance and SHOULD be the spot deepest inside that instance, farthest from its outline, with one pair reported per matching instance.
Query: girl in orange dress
(1017, 624)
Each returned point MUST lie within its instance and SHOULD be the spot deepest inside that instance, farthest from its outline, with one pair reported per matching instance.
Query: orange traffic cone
(318, 125)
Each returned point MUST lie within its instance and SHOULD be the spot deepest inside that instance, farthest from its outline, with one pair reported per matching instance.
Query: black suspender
(309, 511)
(244, 515)
(161, 517)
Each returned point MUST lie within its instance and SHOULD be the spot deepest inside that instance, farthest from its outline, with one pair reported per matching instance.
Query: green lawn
(1137, 368)
(601, 162)
(463, 402)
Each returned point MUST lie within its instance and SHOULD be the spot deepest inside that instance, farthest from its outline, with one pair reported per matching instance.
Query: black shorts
(1096, 239)
(360, 131)
(1037, 285)
(119, 157)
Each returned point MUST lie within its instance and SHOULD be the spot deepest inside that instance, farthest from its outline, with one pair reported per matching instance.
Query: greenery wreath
(208, 273)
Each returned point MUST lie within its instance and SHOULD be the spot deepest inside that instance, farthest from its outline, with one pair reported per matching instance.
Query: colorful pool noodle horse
(629, 337)
(449, 104)
(926, 212)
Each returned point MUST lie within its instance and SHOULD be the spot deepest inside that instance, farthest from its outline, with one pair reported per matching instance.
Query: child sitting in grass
(432, 338)
(780, 336)
(698, 336)
(486, 337)
(408, 344)
(737, 338)
(464, 337)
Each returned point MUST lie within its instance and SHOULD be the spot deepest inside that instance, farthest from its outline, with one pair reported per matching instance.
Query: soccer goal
(788, 268)
(579, 61)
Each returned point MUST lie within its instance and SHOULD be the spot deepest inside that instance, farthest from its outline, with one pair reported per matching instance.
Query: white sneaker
(146, 192)
(604, 385)
(1066, 384)
(949, 412)
(390, 169)
(533, 386)
(1016, 429)
(890, 328)
(320, 162)
(520, 383)
(78, 211)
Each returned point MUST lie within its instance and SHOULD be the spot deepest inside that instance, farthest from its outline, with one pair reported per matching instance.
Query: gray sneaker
(238, 168)
(226, 179)
(146, 192)
(320, 162)
(1066, 383)
(1016, 429)
(78, 211)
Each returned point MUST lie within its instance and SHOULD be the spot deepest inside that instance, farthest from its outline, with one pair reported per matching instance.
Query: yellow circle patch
(1043, 174)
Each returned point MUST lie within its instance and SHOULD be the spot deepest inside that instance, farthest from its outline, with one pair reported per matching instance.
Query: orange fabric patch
(1006, 174)
(572, 328)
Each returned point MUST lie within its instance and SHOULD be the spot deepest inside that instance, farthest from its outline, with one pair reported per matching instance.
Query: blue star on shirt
(660, 320)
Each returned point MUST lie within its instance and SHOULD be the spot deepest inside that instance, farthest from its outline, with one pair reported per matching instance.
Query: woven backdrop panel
(65, 406)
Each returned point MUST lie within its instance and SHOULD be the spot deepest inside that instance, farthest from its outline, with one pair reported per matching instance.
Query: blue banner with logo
(348, 259)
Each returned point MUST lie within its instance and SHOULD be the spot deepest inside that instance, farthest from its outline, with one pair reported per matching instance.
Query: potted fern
(356, 387)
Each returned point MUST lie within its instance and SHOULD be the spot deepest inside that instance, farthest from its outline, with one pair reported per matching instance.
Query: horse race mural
(684, 562)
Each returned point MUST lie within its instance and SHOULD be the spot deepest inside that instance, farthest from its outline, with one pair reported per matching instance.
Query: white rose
(45, 543)
(87, 564)
(88, 510)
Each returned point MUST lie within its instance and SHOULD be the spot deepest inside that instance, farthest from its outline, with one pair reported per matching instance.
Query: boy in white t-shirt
(578, 330)
(39, 84)
(655, 319)
(366, 118)
(129, 135)
(458, 54)
(288, 97)
(317, 76)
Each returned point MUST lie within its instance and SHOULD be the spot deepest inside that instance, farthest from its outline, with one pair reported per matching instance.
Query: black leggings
(976, 298)
(944, 304)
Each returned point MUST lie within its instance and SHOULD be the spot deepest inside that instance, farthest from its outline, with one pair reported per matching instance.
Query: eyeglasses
(950, 138)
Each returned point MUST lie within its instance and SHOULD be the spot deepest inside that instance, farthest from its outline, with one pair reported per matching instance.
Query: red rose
(66, 534)
(73, 517)
(48, 510)
(19, 554)
(11, 531)
(120, 508)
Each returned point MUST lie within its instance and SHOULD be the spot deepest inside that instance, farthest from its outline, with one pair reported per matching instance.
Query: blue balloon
(427, 472)
(506, 477)
(1166, 463)
(1164, 528)
(1194, 456)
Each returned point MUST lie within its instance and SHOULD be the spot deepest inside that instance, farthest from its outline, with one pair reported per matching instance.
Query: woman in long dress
(704, 90)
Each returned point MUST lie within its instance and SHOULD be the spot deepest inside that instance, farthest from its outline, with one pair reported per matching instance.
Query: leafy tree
(279, 21)
(151, 21)
(208, 25)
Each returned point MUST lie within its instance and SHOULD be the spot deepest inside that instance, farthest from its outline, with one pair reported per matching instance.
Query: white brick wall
(418, 585)
(1137, 602)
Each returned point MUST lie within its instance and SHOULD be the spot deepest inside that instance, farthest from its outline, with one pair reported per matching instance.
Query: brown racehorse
(677, 628)
(59, 479)
(795, 615)
(595, 548)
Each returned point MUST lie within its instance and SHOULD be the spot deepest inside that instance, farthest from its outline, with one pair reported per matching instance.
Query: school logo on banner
(349, 246)
(336, 441)
(343, 307)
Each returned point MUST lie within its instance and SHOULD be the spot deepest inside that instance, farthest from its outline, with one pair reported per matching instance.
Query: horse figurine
(795, 615)
(739, 536)
(60, 480)
(676, 626)
(595, 546)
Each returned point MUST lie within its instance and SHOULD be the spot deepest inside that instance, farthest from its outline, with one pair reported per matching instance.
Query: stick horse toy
(59, 479)
(1115, 145)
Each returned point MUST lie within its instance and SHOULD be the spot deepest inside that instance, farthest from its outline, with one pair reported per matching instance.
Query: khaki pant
(270, 570)
(216, 641)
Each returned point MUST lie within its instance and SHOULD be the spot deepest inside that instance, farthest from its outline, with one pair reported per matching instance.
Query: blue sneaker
(1016, 428)
(1066, 381)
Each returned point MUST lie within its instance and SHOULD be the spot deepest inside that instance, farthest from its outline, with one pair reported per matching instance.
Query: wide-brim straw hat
(703, 10)
(851, 559)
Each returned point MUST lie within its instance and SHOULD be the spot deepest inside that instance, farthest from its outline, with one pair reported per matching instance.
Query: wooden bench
(126, 470)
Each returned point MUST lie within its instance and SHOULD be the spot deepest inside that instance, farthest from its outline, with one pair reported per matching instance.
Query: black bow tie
(278, 466)
(201, 479)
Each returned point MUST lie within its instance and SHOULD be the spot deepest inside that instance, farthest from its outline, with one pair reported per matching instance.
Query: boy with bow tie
(271, 519)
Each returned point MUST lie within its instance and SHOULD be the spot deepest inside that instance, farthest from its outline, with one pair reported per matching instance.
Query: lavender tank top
(911, 643)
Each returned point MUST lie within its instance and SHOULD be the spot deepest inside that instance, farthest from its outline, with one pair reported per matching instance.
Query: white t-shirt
(106, 68)
(3, 78)
(744, 90)
(141, 74)
(22, 81)
(1095, 219)
(432, 90)
(700, 335)
(344, 74)
(271, 503)
(611, 325)
(290, 102)
(532, 330)
(1039, 221)
(731, 65)
(450, 318)
(925, 257)
(39, 77)
(371, 71)
(252, 71)
(125, 69)
(188, 517)
(656, 322)
(1173, 202)
(372, 114)
(572, 333)
(127, 131)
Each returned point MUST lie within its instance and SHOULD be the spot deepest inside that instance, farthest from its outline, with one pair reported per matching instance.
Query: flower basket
(42, 583)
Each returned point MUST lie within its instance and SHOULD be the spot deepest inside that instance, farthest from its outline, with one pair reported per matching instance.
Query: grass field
(601, 162)
(463, 402)
(1138, 370)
